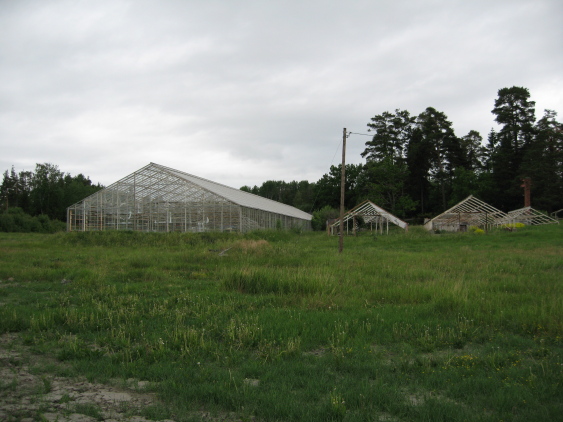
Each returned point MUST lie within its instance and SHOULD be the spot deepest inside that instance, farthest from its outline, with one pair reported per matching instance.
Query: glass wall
(154, 201)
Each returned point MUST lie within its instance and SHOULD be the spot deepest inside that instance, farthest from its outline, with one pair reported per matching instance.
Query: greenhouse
(529, 217)
(469, 212)
(160, 199)
(370, 214)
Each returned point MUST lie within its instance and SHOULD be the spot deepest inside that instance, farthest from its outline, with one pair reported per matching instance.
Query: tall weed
(304, 281)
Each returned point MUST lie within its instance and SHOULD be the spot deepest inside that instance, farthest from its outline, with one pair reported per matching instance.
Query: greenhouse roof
(234, 195)
(471, 211)
(530, 216)
(370, 212)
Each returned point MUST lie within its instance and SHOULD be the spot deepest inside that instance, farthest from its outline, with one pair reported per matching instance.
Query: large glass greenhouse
(160, 199)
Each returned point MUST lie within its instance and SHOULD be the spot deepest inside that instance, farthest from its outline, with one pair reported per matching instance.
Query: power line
(333, 157)
(364, 134)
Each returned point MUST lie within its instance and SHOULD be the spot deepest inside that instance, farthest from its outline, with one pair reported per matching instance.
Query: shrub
(320, 217)
(476, 230)
(16, 220)
(7, 223)
(517, 225)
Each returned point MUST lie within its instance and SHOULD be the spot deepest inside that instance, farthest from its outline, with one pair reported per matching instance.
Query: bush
(517, 225)
(320, 217)
(7, 223)
(15, 220)
(476, 230)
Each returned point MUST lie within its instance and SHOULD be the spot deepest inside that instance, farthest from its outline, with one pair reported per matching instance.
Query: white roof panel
(238, 196)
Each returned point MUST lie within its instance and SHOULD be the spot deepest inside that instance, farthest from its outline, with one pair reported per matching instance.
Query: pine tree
(543, 162)
(473, 150)
(392, 134)
(516, 113)
(445, 148)
(419, 163)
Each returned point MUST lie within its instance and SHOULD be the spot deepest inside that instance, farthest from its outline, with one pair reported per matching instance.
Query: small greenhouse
(469, 212)
(160, 199)
(529, 217)
(371, 214)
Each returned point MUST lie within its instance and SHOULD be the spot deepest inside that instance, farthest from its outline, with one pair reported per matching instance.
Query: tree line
(416, 166)
(47, 191)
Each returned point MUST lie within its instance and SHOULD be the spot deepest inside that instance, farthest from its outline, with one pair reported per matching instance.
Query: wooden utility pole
(342, 184)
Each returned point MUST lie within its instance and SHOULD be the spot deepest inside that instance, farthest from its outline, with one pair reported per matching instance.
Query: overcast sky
(241, 92)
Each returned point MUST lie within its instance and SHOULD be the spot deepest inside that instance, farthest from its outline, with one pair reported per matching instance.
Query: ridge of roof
(370, 204)
(472, 203)
(238, 196)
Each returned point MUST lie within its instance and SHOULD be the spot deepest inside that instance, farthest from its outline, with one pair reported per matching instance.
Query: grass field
(405, 327)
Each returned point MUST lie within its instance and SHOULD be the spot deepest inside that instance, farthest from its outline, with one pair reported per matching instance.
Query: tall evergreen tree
(392, 133)
(419, 163)
(473, 150)
(8, 189)
(543, 162)
(386, 172)
(445, 148)
(385, 183)
(516, 113)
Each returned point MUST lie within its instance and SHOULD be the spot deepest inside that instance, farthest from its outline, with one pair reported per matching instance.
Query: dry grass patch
(317, 352)
(252, 246)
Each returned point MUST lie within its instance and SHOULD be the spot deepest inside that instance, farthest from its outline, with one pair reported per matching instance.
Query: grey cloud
(242, 92)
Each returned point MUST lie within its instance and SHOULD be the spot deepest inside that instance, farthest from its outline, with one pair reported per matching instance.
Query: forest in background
(416, 167)
(35, 200)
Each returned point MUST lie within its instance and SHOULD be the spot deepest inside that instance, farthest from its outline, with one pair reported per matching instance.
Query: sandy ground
(27, 396)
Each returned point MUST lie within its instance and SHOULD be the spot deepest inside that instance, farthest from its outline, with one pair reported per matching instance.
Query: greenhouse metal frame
(469, 212)
(370, 213)
(161, 199)
(530, 217)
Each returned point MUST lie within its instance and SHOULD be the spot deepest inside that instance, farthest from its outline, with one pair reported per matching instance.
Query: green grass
(410, 326)
(88, 410)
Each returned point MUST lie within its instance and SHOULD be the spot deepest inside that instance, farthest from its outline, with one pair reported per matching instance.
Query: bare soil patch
(251, 246)
(27, 396)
